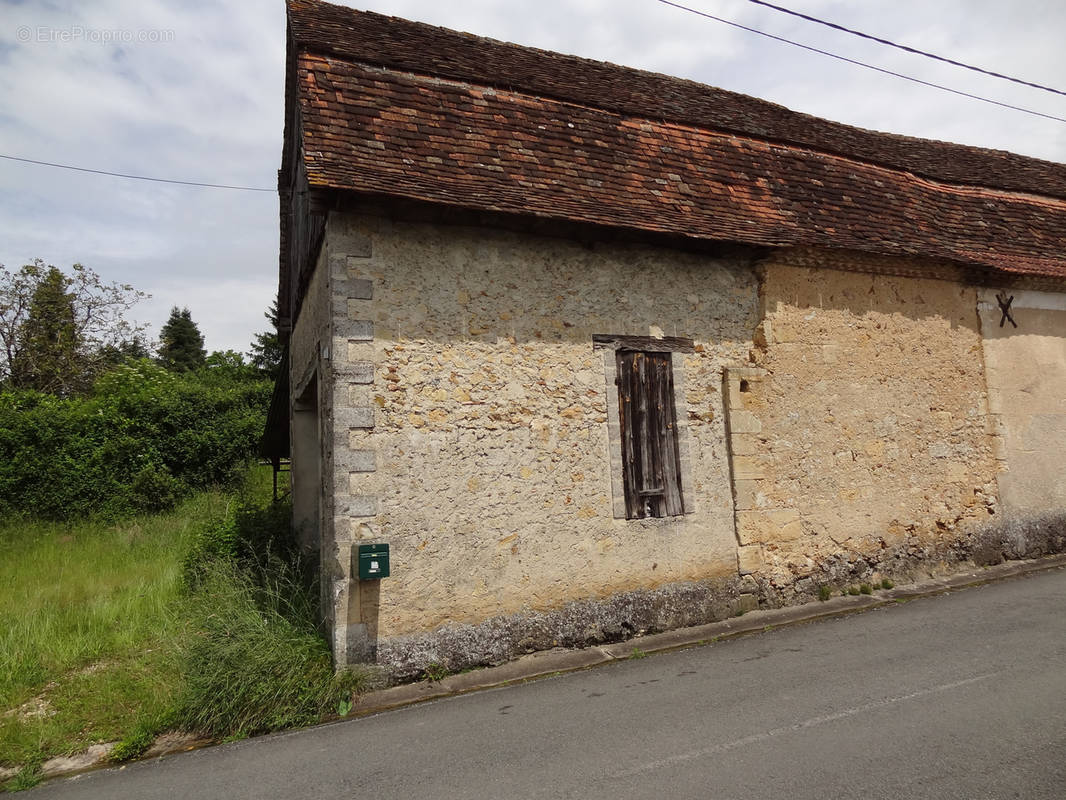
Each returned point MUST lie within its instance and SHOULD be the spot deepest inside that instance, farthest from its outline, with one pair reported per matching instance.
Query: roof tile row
(371, 131)
(398, 108)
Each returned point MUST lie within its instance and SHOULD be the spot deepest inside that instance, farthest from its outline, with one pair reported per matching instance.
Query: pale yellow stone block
(360, 351)
(734, 396)
(786, 330)
(769, 526)
(740, 386)
(360, 394)
(748, 493)
(742, 444)
(749, 559)
(744, 422)
(748, 467)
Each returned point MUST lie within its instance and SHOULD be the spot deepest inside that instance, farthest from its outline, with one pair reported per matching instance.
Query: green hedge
(144, 439)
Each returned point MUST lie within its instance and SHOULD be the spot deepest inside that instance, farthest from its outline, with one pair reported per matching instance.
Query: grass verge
(86, 626)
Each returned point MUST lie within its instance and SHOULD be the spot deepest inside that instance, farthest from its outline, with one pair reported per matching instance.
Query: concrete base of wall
(625, 615)
(618, 617)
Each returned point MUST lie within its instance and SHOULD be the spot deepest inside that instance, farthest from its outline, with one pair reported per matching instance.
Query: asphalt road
(956, 696)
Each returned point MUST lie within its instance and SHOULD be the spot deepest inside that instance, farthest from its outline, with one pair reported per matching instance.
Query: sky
(193, 90)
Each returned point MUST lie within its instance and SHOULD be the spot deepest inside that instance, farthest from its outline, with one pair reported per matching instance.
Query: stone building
(597, 351)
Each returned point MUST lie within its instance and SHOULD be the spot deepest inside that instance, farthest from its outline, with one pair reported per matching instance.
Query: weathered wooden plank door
(650, 460)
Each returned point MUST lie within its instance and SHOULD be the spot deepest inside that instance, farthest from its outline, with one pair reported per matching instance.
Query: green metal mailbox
(373, 561)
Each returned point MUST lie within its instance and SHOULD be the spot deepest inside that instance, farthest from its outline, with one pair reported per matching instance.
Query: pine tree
(47, 354)
(181, 345)
(266, 349)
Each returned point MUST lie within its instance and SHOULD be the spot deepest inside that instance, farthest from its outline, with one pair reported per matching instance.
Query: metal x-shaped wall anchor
(1004, 306)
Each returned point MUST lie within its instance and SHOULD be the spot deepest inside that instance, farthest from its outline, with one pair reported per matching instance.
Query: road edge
(548, 663)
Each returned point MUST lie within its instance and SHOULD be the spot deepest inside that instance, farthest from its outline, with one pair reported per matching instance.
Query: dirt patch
(175, 742)
(64, 765)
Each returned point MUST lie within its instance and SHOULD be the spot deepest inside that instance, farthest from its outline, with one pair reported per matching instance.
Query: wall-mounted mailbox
(373, 561)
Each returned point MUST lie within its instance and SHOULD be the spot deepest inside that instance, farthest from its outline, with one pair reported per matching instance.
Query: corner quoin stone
(349, 418)
(360, 505)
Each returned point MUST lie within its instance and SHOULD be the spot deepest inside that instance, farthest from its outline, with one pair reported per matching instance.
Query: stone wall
(471, 419)
(311, 331)
(834, 422)
(1026, 369)
(311, 443)
(866, 427)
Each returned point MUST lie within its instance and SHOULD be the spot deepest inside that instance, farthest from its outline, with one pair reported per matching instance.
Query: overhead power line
(863, 63)
(137, 177)
(905, 48)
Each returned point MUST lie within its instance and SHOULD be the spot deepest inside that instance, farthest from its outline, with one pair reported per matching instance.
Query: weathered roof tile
(398, 108)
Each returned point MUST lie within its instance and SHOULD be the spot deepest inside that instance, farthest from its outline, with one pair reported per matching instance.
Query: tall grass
(87, 625)
(200, 619)
(255, 662)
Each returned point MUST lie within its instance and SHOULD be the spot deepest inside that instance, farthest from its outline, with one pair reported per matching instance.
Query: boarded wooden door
(650, 462)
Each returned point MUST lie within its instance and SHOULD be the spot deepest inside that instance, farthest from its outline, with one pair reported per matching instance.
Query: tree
(181, 345)
(228, 366)
(134, 348)
(57, 329)
(266, 348)
(47, 342)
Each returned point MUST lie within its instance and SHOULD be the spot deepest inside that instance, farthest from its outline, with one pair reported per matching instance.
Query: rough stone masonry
(833, 421)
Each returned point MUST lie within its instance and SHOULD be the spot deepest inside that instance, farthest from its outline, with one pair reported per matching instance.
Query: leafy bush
(144, 439)
(254, 536)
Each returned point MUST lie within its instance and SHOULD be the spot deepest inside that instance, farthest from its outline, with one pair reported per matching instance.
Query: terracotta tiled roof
(409, 110)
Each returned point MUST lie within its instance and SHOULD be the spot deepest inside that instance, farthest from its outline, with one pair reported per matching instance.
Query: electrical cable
(863, 63)
(716, 19)
(137, 177)
(906, 48)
